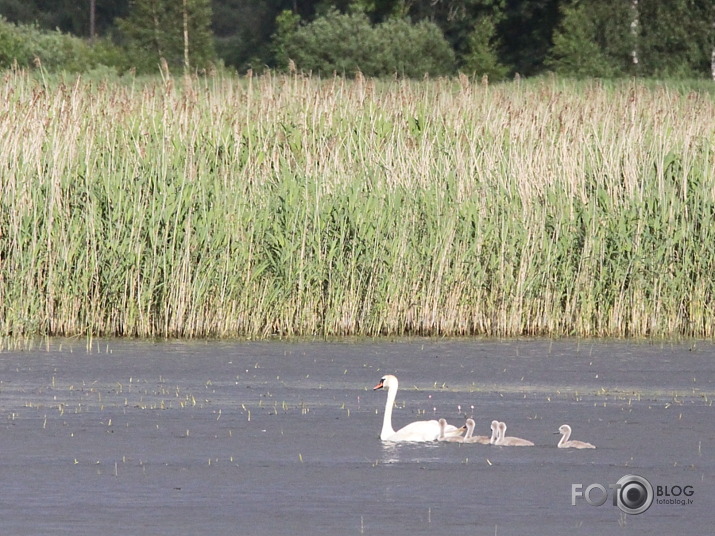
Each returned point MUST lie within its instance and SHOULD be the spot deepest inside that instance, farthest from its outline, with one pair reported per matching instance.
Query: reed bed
(289, 205)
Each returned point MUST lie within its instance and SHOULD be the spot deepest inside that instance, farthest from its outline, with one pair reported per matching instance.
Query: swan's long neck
(387, 429)
(501, 432)
(565, 437)
(470, 431)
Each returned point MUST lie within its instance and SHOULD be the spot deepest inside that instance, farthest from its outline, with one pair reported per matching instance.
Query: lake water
(281, 438)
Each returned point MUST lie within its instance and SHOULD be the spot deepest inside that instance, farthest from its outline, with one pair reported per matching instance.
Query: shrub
(413, 50)
(347, 43)
(12, 47)
(23, 43)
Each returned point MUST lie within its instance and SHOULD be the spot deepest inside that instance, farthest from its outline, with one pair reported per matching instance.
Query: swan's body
(453, 438)
(415, 431)
(509, 441)
(564, 443)
(469, 438)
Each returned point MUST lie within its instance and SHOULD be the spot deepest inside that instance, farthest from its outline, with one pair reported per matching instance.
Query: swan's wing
(511, 441)
(417, 431)
(483, 440)
(582, 445)
(453, 431)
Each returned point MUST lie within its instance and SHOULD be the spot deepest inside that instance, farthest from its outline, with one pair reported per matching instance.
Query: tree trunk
(186, 40)
(92, 19)
(634, 31)
(157, 40)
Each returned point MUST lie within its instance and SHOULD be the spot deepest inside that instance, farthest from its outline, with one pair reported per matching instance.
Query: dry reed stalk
(290, 205)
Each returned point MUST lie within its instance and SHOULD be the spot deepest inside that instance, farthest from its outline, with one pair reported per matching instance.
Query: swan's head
(471, 424)
(386, 382)
(564, 429)
(502, 427)
(495, 425)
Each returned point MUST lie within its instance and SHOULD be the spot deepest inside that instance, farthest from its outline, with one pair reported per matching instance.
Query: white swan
(415, 431)
(469, 438)
(509, 441)
(564, 443)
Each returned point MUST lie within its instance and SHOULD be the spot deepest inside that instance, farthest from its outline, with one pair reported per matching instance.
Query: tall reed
(290, 205)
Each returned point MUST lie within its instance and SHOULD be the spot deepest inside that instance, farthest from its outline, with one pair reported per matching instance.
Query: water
(282, 438)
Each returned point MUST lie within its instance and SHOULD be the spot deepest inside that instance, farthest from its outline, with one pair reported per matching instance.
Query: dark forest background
(497, 38)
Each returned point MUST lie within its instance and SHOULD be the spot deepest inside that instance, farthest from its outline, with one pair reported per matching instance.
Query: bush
(413, 50)
(23, 44)
(12, 47)
(347, 43)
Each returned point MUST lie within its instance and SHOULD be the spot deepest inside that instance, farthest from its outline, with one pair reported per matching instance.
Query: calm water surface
(282, 438)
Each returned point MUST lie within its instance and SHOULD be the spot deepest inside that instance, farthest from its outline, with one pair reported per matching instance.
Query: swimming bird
(469, 438)
(415, 431)
(564, 443)
(510, 441)
(452, 438)
(495, 433)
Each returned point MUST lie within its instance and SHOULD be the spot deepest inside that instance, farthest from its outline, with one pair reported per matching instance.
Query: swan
(452, 438)
(564, 443)
(469, 438)
(415, 431)
(495, 433)
(510, 441)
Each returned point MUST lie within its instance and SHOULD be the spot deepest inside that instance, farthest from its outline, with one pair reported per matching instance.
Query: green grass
(280, 205)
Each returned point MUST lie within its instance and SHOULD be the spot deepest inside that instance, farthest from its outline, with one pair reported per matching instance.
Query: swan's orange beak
(378, 386)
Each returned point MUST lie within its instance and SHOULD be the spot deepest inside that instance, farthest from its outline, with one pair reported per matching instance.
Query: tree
(593, 39)
(347, 43)
(675, 37)
(481, 58)
(243, 29)
(462, 22)
(177, 31)
(243, 32)
(634, 37)
(525, 33)
(69, 16)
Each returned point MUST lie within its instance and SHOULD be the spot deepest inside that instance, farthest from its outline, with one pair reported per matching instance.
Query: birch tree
(634, 32)
(178, 32)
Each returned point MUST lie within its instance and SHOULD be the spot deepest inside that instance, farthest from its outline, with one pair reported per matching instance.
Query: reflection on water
(404, 452)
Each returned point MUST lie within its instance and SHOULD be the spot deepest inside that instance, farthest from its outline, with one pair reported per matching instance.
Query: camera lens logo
(633, 494)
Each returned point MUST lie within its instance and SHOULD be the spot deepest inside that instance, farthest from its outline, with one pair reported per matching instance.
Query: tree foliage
(25, 45)
(154, 30)
(67, 16)
(676, 37)
(673, 38)
(348, 43)
(481, 57)
(580, 47)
